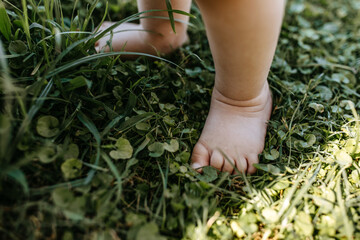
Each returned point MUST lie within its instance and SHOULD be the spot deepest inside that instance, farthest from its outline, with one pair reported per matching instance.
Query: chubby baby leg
(243, 35)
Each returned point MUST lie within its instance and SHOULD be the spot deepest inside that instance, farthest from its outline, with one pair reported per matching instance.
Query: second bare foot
(132, 37)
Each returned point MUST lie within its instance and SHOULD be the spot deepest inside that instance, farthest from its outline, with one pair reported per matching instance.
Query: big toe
(200, 157)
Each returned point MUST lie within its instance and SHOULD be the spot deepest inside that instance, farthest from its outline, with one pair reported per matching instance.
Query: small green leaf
(47, 154)
(303, 224)
(324, 93)
(183, 169)
(71, 168)
(268, 168)
(310, 139)
(18, 47)
(325, 201)
(172, 147)
(343, 158)
(300, 144)
(75, 208)
(131, 162)
(270, 215)
(183, 157)
(78, 82)
(169, 121)
(149, 231)
(72, 151)
(154, 98)
(47, 126)
(248, 222)
(340, 78)
(174, 167)
(274, 154)
(347, 104)
(156, 149)
(62, 197)
(124, 150)
(142, 126)
(336, 109)
(354, 177)
(317, 107)
(209, 174)
(133, 219)
(327, 225)
(141, 68)
(115, 154)
(169, 107)
(280, 185)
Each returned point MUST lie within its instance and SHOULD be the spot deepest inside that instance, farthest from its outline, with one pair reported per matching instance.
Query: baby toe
(200, 157)
(241, 165)
(252, 159)
(229, 164)
(217, 160)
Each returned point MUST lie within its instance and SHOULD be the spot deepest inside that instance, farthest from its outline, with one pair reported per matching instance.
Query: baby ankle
(260, 100)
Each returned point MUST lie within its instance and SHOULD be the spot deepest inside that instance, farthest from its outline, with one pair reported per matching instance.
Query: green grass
(93, 147)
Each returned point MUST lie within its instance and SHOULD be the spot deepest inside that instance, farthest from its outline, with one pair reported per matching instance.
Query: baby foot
(236, 128)
(132, 37)
(122, 36)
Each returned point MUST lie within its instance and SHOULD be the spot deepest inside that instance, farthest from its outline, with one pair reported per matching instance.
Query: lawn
(94, 147)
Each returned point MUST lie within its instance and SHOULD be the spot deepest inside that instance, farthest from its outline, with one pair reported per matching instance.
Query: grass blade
(171, 15)
(19, 177)
(29, 117)
(33, 110)
(104, 17)
(130, 105)
(88, 17)
(349, 229)
(134, 120)
(25, 22)
(7, 87)
(116, 173)
(5, 26)
(92, 128)
(101, 55)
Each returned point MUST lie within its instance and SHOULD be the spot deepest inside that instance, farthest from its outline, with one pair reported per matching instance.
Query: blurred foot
(132, 37)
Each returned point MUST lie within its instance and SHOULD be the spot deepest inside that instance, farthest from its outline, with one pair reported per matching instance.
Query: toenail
(195, 165)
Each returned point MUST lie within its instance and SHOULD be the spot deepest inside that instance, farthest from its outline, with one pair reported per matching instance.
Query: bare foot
(132, 37)
(236, 128)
